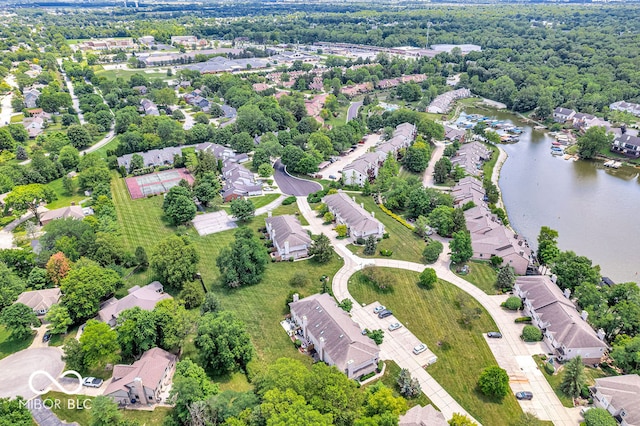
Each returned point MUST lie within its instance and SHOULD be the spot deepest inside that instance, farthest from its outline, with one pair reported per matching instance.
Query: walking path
(495, 175)
(427, 177)
(511, 353)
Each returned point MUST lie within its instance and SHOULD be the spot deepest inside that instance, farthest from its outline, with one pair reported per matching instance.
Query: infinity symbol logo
(54, 381)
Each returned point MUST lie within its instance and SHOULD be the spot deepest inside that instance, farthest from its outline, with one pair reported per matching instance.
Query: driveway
(43, 415)
(427, 177)
(292, 185)
(17, 368)
(352, 112)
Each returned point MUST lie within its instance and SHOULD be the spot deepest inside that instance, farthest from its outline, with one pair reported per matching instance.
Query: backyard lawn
(10, 346)
(434, 316)
(83, 417)
(402, 241)
(555, 380)
(390, 377)
(261, 306)
(481, 274)
(64, 199)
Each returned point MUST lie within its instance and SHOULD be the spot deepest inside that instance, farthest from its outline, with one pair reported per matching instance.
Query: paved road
(17, 368)
(44, 416)
(74, 98)
(291, 185)
(352, 112)
(427, 177)
(335, 169)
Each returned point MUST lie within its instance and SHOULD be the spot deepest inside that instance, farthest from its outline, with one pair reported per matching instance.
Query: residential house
(220, 152)
(580, 119)
(562, 115)
(33, 125)
(356, 89)
(30, 97)
(143, 381)
(149, 107)
(629, 107)
(317, 84)
(362, 169)
(144, 298)
(73, 212)
(147, 40)
(315, 105)
(619, 395)
(442, 103)
(334, 336)
(627, 145)
(466, 190)
(360, 223)
(471, 156)
(260, 87)
(152, 158)
(453, 134)
(423, 416)
(40, 300)
(238, 182)
(565, 331)
(140, 89)
(289, 238)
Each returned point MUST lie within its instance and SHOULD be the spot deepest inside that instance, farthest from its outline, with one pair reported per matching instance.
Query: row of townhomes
(289, 238)
(471, 156)
(489, 236)
(619, 396)
(366, 167)
(625, 142)
(442, 103)
(564, 329)
(359, 222)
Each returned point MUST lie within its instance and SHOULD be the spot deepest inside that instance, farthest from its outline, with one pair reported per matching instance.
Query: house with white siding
(620, 396)
(288, 236)
(359, 222)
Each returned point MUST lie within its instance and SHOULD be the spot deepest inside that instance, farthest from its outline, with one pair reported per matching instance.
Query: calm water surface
(596, 210)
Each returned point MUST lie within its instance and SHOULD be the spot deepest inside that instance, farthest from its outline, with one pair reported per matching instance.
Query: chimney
(584, 315)
(601, 334)
(296, 297)
(554, 278)
(567, 293)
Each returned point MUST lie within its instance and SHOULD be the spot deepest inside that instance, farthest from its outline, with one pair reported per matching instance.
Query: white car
(379, 309)
(420, 348)
(92, 382)
(395, 326)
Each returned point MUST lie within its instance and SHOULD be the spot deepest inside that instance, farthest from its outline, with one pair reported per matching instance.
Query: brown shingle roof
(150, 368)
(40, 299)
(423, 416)
(144, 298)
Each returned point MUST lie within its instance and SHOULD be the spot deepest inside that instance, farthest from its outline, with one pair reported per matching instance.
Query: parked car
(583, 410)
(378, 309)
(395, 326)
(332, 177)
(420, 348)
(47, 336)
(92, 382)
(524, 395)
(385, 313)
(494, 334)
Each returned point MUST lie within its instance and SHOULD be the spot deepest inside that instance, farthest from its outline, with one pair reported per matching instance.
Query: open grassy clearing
(434, 317)
(9, 345)
(68, 413)
(61, 339)
(556, 379)
(481, 274)
(263, 200)
(63, 199)
(402, 241)
(261, 307)
(487, 168)
(290, 209)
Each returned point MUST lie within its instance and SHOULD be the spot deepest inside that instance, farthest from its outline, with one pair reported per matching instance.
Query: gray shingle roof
(355, 217)
(144, 298)
(623, 392)
(288, 229)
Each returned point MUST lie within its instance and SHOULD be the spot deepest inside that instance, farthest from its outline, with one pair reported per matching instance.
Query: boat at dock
(613, 164)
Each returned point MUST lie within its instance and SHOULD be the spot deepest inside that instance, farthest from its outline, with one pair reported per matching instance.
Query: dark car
(385, 313)
(524, 395)
(46, 337)
(494, 334)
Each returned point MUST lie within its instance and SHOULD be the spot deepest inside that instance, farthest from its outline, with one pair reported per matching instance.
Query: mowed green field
(482, 275)
(261, 307)
(434, 317)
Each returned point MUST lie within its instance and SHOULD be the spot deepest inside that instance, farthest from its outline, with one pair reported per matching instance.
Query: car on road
(494, 335)
(92, 382)
(47, 336)
(395, 326)
(385, 313)
(332, 177)
(524, 395)
(379, 309)
(420, 348)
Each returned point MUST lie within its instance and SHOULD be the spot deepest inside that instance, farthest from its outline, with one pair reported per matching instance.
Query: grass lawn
(261, 307)
(390, 380)
(434, 317)
(83, 417)
(402, 241)
(61, 339)
(112, 145)
(404, 174)
(10, 346)
(263, 200)
(482, 275)
(487, 167)
(290, 209)
(16, 118)
(63, 200)
(555, 380)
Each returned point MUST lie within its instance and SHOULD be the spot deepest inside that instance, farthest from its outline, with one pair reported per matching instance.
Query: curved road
(352, 112)
(17, 368)
(292, 185)
(510, 352)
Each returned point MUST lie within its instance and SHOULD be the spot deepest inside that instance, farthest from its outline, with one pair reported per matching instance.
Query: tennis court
(156, 183)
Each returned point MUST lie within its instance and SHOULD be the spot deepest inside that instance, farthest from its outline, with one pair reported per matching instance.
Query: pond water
(596, 210)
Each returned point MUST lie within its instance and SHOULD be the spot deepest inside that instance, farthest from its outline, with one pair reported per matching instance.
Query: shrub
(297, 343)
(428, 278)
(288, 200)
(360, 241)
(549, 368)
(376, 335)
(346, 305)
(523, 320)
(366, 376)
(432, 251)
(396, 217)
(380, 366)
(531, 333)
(386, 253)
(385, 236)
(513, 303)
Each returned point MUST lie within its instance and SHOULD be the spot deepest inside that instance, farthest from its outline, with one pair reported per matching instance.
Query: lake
(594, 209)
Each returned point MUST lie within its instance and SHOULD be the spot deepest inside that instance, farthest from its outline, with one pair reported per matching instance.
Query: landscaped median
(450, 323)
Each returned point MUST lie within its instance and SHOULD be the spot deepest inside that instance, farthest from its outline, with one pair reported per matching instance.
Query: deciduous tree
(460, 246)
(242, 209)
(175, 261)
(29, 197)
(223, 342)
(59, 319)
(494, 382)
(428, 278)
(18, 319)
(244, 261)
(99, 343)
